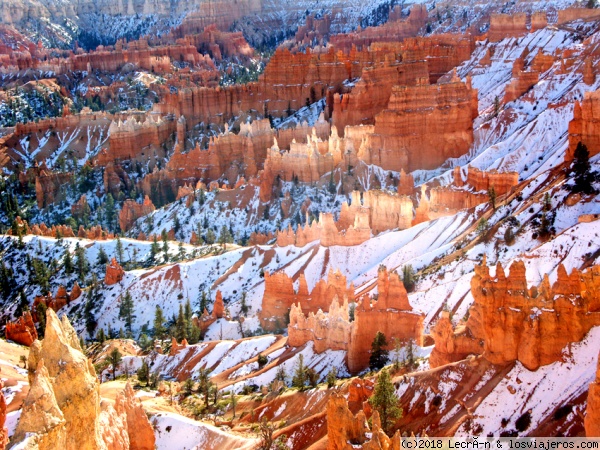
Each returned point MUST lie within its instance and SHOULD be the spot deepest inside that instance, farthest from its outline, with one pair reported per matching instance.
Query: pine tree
(203, 302)
(40, 312)
(385, 401)
(243, 305)
(379, 354)
(332, 377)
(408, 277)
(165, 247)
(225, 236)
(492, 197)
(100, 336)
(154, 249)
(114, 359)
(159, 323)
(102, 258)
(299, 378)
(143, 373)
(187, 314)
(119, 250)
(68, 262)
(126, 311)
(210, 237)
(582, 170)
(180, 325)
(204, 384)
(110, 211)
(81, 262)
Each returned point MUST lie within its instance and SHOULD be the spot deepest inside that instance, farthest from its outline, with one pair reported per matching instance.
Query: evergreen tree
(408, 277)
(102, 258)
(300, 375)
(181, 252)
(145, 342)
(187, 315)
(225, 236)
(180, 325)
(81, 263)
(40, 312)
(203, 302)
(492, 197)
(165, 247)
(210, 237)
(100, 336)
(385, 401)
(68, 262)
(126, 311)
(243, 305)
(331, 187)
(204, 384)
(114, 359)
(143, 373)
(379, 354)
(582, 171)
(110, 211)
(154, 248)
(159, 323)
(332, 377)
(119, 250)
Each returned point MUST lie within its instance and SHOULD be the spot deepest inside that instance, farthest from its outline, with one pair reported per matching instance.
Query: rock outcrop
(451, 344)
(42, 424)
(114, 273)
(345, 431)
(585, 126)
(592, 416)
(66, 390)
(138, 427)
(280, 296)
(22, 331)
(514, 322)
(391, 314)
(423, 126)
(507, 25)
(132, 211)
(326, 230)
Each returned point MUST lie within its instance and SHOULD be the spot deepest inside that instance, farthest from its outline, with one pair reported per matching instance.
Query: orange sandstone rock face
(385, 211)
(345, 431)
(592, 417)
(22, 331)
(423, 126)
(585, 125)
(139, 429)
(131, 211)
(508, 25)
(391, 314)
(114, 273)
(280, 296)
(451, 345)
(532, 325)
(49, 187)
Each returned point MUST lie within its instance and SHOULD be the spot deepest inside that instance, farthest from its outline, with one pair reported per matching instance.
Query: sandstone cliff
(131, 211)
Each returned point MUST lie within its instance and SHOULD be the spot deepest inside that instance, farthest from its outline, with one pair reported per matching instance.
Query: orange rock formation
(346, 431)
(114, 273)
(22, 331)
(423, 126)
(507, 26)
(592, 416)
(132, 211)
(514, 322)
(391, 314)
(585, 124)
(280, 296)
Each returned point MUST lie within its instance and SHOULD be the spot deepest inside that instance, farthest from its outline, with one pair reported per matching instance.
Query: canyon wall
(132, 211)
(423, 126)
(508, 26)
